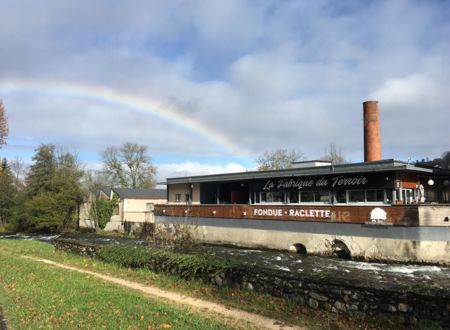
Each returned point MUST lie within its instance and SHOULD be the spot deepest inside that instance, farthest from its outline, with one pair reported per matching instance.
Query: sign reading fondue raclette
(295, 213)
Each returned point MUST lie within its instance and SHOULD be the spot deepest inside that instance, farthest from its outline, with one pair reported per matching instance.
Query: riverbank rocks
(318, 297)
(81, 248)
(313, 303)
(339, 307)
(404, 308)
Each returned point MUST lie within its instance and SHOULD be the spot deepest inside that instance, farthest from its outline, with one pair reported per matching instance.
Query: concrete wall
(175, 189)
(438, 215)
(196, 193)
(140, 205)
(135, 210)
(370, 242)
(184, 189)
(115, 224)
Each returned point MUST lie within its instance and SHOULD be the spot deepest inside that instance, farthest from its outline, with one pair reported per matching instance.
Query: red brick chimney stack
(372, 144)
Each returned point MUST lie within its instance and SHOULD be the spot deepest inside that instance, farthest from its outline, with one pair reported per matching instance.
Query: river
(383, 275)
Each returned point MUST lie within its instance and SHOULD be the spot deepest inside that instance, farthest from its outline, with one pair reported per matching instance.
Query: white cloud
(415, 115)
(265, 74)
(413, 93)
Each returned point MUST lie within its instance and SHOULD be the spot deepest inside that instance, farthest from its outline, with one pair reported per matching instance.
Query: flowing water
(381, 275)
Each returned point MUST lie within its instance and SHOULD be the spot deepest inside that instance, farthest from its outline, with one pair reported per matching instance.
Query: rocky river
(383, 275)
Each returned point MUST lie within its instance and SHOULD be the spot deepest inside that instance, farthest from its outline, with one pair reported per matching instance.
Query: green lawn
(35, 295)
(245, 300)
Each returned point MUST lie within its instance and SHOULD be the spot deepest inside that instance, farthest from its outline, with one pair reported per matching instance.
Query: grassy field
(36, 295)
(29, 277)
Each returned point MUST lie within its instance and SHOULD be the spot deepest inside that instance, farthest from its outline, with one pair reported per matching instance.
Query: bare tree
(3, 125)
(19, 170)
(93, 181)
(129, 166)
(278, 159)
(334, 154)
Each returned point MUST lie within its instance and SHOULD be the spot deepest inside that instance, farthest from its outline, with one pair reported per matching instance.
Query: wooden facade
(398, 215)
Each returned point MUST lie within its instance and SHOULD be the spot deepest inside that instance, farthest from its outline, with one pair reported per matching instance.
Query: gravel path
(202, 305)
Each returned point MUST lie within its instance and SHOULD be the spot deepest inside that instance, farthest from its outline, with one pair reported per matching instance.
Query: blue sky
(250, 76)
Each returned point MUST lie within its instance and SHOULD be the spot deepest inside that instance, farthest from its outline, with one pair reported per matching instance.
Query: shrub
(186, 266)
(125, 256)
(104, 209)
(174, 236)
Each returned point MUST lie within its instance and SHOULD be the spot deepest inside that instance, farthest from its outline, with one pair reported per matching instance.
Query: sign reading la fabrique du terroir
(322, 182)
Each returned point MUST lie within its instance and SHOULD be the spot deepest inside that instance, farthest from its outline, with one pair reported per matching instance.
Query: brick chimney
(372, 144)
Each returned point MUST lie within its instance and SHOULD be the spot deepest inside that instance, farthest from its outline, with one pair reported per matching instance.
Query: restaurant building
(377, 210)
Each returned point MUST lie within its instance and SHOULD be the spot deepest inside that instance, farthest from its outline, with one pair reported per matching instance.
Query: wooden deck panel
(399, 215)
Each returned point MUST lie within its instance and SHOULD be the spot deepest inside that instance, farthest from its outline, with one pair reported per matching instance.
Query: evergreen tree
(8, 193)
(42, 172)
(53, 191)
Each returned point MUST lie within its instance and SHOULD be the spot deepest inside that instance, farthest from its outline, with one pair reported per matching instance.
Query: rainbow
(121, 100)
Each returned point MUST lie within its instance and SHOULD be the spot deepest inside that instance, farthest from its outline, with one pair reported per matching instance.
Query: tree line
(48, 195)
(285, 158)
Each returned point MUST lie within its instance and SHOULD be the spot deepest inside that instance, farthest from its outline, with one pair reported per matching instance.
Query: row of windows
(326, 197)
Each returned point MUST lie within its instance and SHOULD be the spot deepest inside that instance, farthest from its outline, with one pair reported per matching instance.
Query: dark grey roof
(141, 193)
(366, 167)
(106, 191)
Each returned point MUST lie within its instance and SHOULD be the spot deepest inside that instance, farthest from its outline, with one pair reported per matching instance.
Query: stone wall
(81, 248)
(345, 296)
(412, 303)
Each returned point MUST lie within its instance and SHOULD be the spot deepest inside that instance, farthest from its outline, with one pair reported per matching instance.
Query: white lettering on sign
(268, 212)
(295, 213)
(342, 181)
(291, 183)
(337, 181)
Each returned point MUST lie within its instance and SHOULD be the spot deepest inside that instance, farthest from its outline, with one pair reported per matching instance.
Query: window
(430, 195)
(322, 196)
(293, 197)
(272, 197)
(307, 196)
(362, 196)
(187, 198)
(148, 207)
(357, 196)
(178, 198)
(375, 196)
(341, 196)
(389, 197)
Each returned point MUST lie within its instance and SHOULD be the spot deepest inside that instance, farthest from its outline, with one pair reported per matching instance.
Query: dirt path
(202, 305)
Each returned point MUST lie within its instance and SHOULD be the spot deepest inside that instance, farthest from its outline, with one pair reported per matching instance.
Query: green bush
(104, 210)
(184, 265)
(125, 256)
